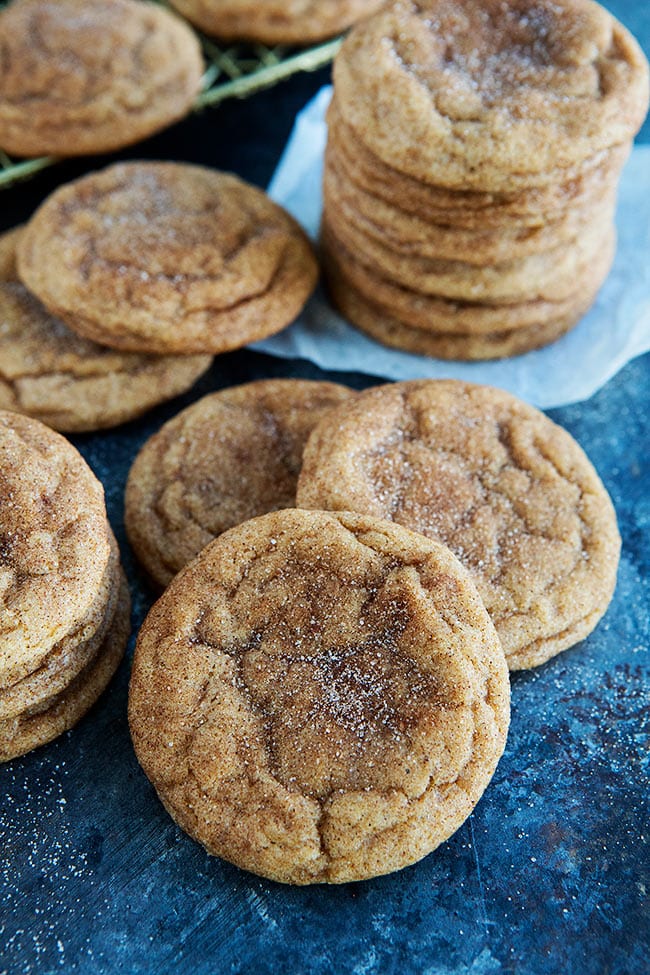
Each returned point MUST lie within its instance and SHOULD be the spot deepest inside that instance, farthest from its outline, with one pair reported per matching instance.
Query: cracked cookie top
(491, 95)
(511, 493)
(319, 697)
(72, 383)
(167, 257)
(275, 21)
(80, 77)
(231, 456)
(54, 543)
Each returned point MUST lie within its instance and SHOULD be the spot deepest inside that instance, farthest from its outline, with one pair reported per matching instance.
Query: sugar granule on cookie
(319, 697)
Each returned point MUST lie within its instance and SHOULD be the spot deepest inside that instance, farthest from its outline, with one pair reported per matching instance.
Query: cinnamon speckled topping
(37, 726)
(231, 456)
(84, 76)
(488, 94)
(72, 383)
(167, 258)
(54, 543)
(319, 697)
(511, 493)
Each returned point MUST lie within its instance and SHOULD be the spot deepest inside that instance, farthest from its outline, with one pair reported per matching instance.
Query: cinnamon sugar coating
(230, 456)
(71, 655)
(167, 258)
(40, 725)
(54, 543)
(319, 697)
(85, 76)
(71, 383)
(430, 325)
(512, 494)
(482, 94)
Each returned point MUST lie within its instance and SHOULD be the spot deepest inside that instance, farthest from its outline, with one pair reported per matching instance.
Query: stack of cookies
(471, 170)
(64, 601)
(122, 286)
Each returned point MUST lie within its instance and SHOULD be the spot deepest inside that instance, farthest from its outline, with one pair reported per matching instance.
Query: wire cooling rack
(232, 71)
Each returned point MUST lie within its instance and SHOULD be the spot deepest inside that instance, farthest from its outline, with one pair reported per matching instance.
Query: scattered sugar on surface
(40, 868)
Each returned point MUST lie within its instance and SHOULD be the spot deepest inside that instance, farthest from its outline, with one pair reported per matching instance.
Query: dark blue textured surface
(548, 876)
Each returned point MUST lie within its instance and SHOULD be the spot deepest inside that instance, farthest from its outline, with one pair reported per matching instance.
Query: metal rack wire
(232, 71)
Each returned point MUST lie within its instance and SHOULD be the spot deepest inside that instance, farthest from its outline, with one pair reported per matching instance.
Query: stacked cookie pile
(122, 286)
(321, 693)
(64, 601)
(471, 169)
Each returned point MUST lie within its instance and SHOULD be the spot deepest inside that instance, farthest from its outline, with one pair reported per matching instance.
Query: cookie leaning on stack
(70, 383)
(470, 177)
(64, 602)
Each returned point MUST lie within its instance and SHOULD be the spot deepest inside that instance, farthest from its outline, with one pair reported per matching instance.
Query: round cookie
(409, 236)
(477, 94)
(71, 383)
(31, 730)
(167, 258)
(231, 456)
(352, 286)
(511, 493)
(85, 76)
(54, 543)
(275, 21)
(547, 276)
(458, 346)
(474, 209)
(319, 697)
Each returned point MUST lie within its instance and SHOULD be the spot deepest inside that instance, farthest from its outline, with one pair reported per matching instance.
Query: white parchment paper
(616, 330)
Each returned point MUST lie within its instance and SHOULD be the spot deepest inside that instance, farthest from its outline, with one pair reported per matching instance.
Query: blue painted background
(551, 873)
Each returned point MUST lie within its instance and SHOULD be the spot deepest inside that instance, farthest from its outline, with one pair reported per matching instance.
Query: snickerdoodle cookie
(478, 94)
(319, 697)
(167, 258)
(64, 604)
(40, 725)
(84, 76)
(473, 156)
(275, 21)
(511, 493)
(231, 456)
(72, 383)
